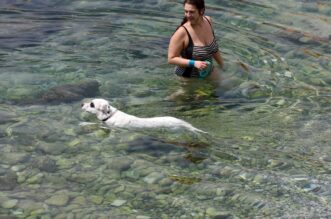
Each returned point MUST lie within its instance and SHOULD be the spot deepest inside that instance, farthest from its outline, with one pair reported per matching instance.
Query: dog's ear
(106, 109)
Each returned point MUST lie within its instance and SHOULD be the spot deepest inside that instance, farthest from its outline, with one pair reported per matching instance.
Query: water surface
(268, 153)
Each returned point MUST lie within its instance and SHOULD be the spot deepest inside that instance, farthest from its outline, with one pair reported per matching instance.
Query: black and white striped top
(202, 53)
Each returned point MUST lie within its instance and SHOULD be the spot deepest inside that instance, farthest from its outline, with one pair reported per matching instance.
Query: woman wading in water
(193, 46)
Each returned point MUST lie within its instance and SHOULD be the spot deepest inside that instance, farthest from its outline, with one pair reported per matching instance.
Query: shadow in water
(193, 152)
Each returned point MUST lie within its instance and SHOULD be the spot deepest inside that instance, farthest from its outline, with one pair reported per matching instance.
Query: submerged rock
(58, 200)
(250, 90)
(7, 117)
(51, 148)
(45, 164)
(71, 92)
(153, 177)
(14, 158)
(118, 202)
(8, 181)
(217, 214)
(186, 180)
(120, 164)
(152, 147)
(96, 199)
(35, 179)
(9, 203)
(65, 93)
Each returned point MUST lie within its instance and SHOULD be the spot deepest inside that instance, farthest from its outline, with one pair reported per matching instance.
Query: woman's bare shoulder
(208, 18)
(180, 32)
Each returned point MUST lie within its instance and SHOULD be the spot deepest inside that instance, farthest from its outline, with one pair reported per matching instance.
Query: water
(269, 151)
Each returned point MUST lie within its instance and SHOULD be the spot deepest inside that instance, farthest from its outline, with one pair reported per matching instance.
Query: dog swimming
(113, 117)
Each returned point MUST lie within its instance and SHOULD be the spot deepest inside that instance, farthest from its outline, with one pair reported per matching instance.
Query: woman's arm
(219, 59)
(217, 56)
(176, 45)
(178, 42)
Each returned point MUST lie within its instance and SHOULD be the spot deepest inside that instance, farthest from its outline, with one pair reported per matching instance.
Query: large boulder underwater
(63, 93)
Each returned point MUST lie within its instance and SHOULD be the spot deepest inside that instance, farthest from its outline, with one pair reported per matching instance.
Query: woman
(193, 46)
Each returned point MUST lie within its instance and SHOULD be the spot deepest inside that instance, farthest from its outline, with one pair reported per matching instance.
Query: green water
(269, 122)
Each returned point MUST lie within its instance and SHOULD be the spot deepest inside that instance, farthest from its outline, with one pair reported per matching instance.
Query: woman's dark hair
(199, 4)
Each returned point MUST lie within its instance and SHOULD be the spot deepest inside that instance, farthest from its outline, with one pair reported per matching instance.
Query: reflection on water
(268, 152)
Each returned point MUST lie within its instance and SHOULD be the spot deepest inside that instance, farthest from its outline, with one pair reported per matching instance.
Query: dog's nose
(82, 105)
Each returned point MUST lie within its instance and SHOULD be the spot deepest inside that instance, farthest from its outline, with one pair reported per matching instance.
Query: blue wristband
(191, 63)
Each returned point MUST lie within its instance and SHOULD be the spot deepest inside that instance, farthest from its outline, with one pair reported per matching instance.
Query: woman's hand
(200, 64)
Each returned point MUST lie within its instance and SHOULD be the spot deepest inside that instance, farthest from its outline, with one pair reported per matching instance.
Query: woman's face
(191, 13)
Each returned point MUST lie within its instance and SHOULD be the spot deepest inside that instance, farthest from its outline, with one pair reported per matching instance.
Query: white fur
(116, 118)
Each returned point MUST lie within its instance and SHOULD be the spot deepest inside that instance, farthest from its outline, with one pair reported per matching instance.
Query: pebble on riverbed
(9, 203)
(118, 202)
(58, 200)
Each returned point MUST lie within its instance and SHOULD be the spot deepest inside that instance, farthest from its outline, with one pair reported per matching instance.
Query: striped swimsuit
(202, 53)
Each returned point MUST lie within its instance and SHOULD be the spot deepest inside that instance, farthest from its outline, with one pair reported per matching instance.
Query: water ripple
(267, 153)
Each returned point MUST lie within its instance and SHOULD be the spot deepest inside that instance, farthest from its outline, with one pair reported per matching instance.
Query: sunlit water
(268, 151)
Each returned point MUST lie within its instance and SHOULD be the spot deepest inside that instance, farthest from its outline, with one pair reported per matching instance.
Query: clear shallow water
(269, 150)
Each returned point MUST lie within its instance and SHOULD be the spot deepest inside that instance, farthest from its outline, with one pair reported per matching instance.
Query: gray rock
(132, 175)
(7, 117)
(95, 199)
(65, 93)
(58, 200)
(45, 164)
(143, 217)
(206, 189)
(13, 158)
(51, 148)
(35, 179)
(120, 163)
(216, 214)
(153, 177)
(118, 202)
(9, 203)
(79, 200)
(83, 177)
(8, 181)
(32, 206)
(71, 92)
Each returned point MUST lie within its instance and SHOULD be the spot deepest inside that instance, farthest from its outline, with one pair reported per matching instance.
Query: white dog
(116, 118)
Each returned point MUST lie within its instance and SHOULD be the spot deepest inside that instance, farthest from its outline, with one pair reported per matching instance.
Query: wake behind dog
(113, 117)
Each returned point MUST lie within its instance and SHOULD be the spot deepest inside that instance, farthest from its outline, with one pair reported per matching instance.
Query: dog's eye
(92, 105)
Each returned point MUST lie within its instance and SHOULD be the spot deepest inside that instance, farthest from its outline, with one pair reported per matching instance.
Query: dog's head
(100, 107)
